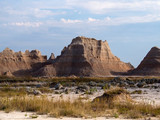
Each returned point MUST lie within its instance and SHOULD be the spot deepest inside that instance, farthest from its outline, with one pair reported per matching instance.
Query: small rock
(38, 86)
(141, 84)
(51, 85)
(36, 92)
(122, 84)
(91, 83)
(77, 92)
(67, 91)
(131, 83)
(155, 87)
(58, 86)
(83, 88)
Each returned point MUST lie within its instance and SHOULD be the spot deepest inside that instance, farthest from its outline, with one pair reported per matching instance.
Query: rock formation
(8, 73)
(52, 57)
(87, 57)
(83, 57)
(150, 64)
(19, 63)
(46, 71)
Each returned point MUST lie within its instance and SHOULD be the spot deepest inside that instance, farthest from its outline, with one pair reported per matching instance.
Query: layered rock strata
(19, 63)
(87, 57)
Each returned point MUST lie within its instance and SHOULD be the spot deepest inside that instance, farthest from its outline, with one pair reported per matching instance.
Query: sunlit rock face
(19, 63)
(88, 57)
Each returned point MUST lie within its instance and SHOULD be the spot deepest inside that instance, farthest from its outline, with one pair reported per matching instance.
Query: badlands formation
(86, 57)
(19, 63)
(150, 65)
(83, 57)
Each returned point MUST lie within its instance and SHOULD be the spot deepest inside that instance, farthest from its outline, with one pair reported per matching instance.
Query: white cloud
(25, 24)
(35, 12)
(45, 13)
(105, 6)
(42, 13)
(128, 20)
(119, 12)
(136, 19)
(70, 21)
(108, 21)
(92, 20)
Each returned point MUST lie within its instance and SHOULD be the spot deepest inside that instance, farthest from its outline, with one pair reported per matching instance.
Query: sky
(131, 27)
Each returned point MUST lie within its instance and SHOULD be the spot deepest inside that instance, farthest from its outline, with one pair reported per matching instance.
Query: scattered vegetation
(45, 105)
(115, 91)
(33, 116)
(69, 79)
(12, 98)
(10, 92)
(107, 86)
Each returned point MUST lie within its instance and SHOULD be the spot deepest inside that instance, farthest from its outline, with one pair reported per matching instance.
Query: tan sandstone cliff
(86, 57)
(19, 63)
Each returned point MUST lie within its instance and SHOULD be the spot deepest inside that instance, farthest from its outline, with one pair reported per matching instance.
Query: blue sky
(131, 27)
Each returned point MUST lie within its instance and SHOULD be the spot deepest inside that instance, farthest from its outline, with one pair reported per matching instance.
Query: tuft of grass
(116, 91)
(33, 116)
(116, 115)
(114, 94)
(137, 110)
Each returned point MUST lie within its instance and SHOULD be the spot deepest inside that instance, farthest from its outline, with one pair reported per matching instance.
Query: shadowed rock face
(150, 64)
(18, 63)
(46, 71)
(88, 57)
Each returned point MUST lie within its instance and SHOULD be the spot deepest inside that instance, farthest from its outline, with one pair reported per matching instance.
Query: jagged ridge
(19, 63)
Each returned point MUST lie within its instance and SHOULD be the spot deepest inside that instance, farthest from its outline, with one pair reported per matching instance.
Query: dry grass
(45, 105)
(113, 95)
(10, 92)
(134, 110)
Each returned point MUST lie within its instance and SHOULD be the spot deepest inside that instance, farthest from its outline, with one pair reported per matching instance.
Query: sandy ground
(72, 96)
(150, 96)
(28, 116)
